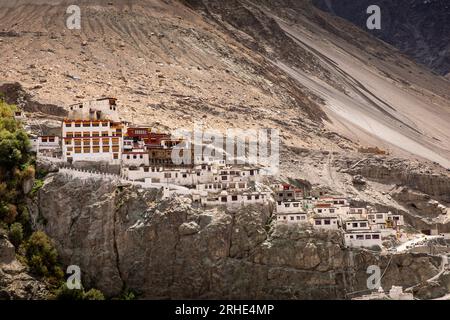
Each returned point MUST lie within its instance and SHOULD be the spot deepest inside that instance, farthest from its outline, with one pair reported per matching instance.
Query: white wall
(366, 241)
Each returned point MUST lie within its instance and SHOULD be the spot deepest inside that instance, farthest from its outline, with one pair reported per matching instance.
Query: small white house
(326, 222)
(357, 225)
(377, 218)
(397, 219)
(365, 239)
(290, 206)
(358, 211)
(292, 218)
(135, 158)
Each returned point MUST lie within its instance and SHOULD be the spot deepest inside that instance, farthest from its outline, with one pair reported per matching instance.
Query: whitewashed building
(97, 140)
(293, 206)
(100, 109)
(365, 239)
(326, 222)
(135, 158)
(292, 218)
(357, 225)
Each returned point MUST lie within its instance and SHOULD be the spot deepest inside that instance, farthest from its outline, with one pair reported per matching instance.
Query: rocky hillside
(127, 238)
(421, 29)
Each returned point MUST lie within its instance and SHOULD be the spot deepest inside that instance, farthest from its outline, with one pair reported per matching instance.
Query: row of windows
(95, 142)
(86, 124)
(92, 134)
(49, 139)
(355, 224)
(326, 222)
(135, 156)
(367, 236)
(88, 149)
(293, 218)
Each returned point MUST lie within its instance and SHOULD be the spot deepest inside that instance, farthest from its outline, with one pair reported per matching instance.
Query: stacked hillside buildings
(362, 227)
(93, 132)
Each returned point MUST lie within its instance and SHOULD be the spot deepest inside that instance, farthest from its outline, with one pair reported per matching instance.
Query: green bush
(94, 294)
(42, 256)
(64, 293)
(16, 234)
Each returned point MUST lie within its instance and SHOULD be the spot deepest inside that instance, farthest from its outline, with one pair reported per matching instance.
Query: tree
(16, 234)
(42, 256)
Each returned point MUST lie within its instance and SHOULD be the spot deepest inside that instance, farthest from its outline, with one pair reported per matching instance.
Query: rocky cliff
(15, 282)
(122, 237)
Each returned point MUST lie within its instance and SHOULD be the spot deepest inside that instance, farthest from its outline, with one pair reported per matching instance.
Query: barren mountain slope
(230, 63)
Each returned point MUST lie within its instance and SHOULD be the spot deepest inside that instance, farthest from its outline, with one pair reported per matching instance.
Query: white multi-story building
(96, 140)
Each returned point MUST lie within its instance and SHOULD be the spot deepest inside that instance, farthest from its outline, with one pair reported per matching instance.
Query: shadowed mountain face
(419, 28)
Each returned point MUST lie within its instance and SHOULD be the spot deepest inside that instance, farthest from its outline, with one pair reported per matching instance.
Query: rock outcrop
(15, 282)
(125, 238)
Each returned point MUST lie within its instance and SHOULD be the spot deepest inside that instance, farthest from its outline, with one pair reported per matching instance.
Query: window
(167, 175)
(379, 216)
(104, 133)
(115, 140)
(105, 140)
(360, 211)
(68, 125)
(184, 175)
(223, 199)
(77, 150)
(355, 225)
(95, 142)
(327, 222)
(95, 124)
(257, 197)
(87, 149)
(234, 198)
(319, 210)
(95, 134)
(104, 124)
(69, 149)
(69, 134)
(331, 210)
(86, 124)
(287, 205)
(134, 156)
(86, 143)
(86, 134)
(298, 217)
(292, 218)
(105, 148)
(115, 156)
(359, 237)
(115, 149)
(318, 222)
(363, 225)
(78, 142)
(376, 236)
(78, 134)
(44, 139)
(296, 205)
(95, 149)
(368, 237)
(77, 125)
(249, 197)
(224, 178)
